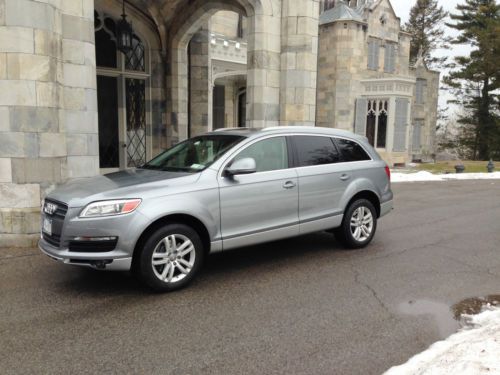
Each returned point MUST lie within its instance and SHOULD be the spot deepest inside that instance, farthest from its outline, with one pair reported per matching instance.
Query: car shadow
(218, 267)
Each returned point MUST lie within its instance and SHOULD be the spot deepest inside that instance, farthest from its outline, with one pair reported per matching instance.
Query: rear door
(261, 206)
(322, 182)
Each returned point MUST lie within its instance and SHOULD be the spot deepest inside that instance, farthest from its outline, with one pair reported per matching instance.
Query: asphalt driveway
(303, 305)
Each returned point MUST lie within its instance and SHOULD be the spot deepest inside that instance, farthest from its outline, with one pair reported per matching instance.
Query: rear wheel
(358, 225)
(170, 258)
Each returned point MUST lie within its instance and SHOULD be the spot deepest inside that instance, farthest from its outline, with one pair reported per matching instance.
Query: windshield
(194, 154)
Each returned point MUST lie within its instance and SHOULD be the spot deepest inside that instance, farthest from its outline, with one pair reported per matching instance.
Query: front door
(262, 206)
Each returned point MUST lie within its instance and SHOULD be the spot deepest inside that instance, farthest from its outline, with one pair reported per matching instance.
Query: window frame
(230, 158)
(420, 89)
(295, 146)
(380, 103)
(335, 138)
(122, 74)
(373, 54)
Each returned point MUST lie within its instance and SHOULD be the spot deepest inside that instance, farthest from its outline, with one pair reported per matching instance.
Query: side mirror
(242, 166)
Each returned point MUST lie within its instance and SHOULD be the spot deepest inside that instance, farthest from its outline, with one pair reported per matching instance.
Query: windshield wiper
(176, 169)
(152, 167)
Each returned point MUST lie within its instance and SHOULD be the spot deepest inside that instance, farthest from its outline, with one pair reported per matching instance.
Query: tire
(170, 258)
(353, 233)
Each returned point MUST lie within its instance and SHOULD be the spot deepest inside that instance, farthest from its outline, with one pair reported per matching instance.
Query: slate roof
(340, 12)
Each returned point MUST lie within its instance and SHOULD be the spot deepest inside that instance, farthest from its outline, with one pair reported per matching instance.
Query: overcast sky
(402, 9)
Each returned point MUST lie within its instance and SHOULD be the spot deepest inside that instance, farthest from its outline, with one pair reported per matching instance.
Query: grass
(449, 166)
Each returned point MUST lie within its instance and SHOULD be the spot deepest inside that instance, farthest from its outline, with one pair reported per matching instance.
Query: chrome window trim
(267, 136)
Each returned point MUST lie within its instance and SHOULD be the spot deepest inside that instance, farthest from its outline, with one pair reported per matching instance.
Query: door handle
(289, 185)
(345, 177)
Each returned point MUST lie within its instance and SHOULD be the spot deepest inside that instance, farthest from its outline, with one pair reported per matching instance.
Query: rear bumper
(386, 207)
(115, 260)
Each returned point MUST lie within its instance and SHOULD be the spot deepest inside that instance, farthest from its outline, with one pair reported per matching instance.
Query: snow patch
(427, 176)
(473, 350)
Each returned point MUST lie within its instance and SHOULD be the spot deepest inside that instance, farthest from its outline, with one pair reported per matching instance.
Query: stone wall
(299, 60)
(344, 76)
(226, 23)
(426, 112)
(48, 109)
(200, 100)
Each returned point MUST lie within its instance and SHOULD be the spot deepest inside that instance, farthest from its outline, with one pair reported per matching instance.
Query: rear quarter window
(315, 150)
(351, 151)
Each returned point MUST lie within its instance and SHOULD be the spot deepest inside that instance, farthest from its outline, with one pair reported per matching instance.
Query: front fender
(202, 205)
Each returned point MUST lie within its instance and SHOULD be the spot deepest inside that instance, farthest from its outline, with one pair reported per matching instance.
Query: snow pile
(427, 176)
(473, 350)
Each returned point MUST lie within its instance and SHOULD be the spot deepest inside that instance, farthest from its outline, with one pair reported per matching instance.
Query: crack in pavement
(357, 280)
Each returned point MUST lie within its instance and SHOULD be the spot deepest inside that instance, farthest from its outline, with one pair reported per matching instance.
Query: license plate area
(47, 226)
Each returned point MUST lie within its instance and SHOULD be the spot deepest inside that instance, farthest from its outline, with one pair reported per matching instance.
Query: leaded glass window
(136, 122)
(122, 106)
(376, 122)
(134, 59)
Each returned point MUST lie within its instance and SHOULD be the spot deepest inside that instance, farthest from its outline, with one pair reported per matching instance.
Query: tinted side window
(351, 151)
(269, 155)
(313, 150)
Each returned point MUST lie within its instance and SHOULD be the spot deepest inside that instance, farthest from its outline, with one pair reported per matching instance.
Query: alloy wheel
(361, 223)
(173, 258)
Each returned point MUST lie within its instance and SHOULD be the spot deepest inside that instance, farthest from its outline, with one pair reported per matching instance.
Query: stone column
(229, 105)
(299, 57)
(263, 68)
(199, 82)
(177, 88)
(48, 111)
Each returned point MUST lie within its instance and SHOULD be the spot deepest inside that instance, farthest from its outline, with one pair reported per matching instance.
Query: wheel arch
(185, 219)
(368, 195)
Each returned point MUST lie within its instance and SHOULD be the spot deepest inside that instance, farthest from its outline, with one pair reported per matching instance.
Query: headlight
(109, 208)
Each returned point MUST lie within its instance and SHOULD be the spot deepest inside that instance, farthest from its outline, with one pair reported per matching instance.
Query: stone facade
(47, 105)
(424, 114)
(364, 60)
(65, 108)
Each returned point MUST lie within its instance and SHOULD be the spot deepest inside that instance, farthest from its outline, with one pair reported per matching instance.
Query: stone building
(74, 102)
(366, 83)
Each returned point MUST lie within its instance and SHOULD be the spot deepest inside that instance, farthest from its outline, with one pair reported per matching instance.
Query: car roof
(258, 132)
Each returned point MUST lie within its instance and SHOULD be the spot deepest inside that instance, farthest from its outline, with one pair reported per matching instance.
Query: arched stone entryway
(263, 63)
(281, 57)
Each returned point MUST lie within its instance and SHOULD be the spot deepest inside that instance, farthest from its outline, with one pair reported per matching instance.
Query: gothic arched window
(376, 122)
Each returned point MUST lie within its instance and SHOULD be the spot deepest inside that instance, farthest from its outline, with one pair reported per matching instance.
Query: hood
(130, 183)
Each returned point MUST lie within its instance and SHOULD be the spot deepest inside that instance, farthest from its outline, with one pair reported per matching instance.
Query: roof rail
(287, 127)
(230, 129)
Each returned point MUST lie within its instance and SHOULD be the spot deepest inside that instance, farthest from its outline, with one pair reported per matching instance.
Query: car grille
(61, 210)
(57, 222)
(92, 246)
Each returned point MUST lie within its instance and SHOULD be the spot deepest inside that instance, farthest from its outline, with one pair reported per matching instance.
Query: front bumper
(115, 260)
(117, 256)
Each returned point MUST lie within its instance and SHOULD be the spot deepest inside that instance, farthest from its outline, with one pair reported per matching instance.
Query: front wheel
(358, 225)
(170, 258)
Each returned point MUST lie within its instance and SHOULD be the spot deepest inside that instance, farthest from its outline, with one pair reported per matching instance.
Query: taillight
(388, 172)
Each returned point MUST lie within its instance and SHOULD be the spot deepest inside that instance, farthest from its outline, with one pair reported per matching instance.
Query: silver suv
(215, 192)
